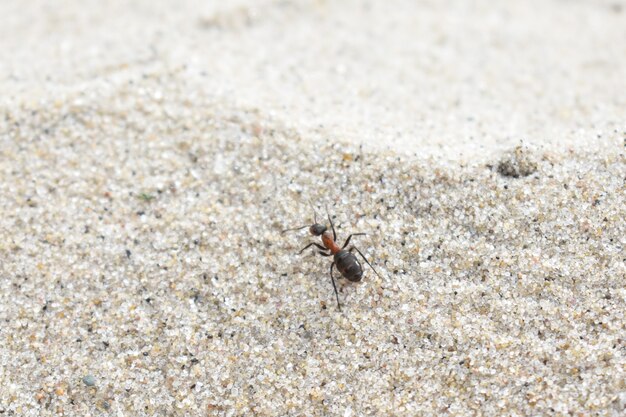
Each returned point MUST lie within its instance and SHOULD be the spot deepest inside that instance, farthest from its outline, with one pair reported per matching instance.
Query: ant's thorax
(329, 242)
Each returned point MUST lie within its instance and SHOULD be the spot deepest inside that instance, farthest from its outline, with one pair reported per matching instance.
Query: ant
(346, 262)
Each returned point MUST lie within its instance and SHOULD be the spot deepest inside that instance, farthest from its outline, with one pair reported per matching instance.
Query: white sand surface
(150, 155)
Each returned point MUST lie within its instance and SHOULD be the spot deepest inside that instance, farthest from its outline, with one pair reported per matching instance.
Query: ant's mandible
(346, 262)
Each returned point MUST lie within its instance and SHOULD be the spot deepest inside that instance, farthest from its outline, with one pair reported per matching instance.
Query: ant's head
(317, 229)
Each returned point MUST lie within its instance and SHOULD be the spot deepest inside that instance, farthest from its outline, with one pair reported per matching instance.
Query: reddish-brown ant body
(347, 263)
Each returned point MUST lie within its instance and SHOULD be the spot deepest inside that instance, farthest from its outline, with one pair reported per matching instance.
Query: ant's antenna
(332, 226)
(302, 227)
(314, 211)
(294, 228)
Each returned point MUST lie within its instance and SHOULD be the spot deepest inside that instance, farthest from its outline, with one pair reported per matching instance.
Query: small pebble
(89, 380)
(518, 163)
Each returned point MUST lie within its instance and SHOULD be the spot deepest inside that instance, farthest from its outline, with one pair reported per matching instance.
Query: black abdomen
(348, 266)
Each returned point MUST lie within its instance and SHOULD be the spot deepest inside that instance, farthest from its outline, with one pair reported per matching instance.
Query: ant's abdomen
(348, 266)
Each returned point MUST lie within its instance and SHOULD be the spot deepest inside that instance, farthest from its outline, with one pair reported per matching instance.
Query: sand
(151, 155)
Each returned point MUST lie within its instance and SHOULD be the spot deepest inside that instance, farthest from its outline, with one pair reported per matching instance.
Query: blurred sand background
(151, 152)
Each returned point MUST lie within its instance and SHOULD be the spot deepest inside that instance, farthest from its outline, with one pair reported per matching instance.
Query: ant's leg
(306, 247)
(325, 254)
(365, 259)
(334, 286)
(309, 245)
(349, 237)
